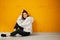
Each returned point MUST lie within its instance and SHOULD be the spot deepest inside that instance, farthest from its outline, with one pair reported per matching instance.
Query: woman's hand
(14, 29)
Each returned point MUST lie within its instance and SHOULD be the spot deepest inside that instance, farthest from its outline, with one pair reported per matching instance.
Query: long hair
(24, 11)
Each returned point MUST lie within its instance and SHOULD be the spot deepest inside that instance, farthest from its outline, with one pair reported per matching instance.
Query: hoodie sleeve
(27, 21)
(19, 20)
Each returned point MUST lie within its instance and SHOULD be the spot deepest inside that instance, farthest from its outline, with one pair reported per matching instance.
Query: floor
(34, 36)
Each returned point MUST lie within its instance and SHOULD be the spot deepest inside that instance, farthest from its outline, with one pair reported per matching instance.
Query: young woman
(23, 25)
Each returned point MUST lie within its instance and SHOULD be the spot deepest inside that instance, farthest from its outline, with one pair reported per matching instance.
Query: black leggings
(17, 26)
(21, 32)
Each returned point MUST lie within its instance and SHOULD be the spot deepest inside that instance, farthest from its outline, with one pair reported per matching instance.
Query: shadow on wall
(34, 26)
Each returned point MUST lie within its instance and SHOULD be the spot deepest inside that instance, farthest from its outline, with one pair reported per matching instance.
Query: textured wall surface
(45, 12)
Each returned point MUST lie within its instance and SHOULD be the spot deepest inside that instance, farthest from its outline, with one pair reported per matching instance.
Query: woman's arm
(19, 20)
(27, 21)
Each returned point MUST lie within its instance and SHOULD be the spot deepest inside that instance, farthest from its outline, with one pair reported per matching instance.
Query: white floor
(34, 36)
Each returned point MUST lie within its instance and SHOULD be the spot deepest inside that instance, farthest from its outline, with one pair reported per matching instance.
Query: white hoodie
(26, 24)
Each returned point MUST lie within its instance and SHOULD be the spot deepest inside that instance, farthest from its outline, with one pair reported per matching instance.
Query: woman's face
(25, 15)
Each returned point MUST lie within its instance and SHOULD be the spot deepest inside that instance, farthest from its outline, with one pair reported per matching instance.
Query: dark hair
(24, 11)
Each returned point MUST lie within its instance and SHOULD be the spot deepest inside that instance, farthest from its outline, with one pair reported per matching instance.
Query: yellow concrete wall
(45, 12)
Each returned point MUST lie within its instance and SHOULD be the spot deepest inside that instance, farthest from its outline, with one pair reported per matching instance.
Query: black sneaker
(3, 35)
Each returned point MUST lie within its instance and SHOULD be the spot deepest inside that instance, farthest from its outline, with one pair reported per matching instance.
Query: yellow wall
(45, 13)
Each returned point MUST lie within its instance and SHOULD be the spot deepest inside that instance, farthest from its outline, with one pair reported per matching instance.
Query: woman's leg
(23, 33)
(14, 33)
(17, 26)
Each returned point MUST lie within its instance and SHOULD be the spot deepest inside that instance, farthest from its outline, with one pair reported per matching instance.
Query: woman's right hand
(14, 29)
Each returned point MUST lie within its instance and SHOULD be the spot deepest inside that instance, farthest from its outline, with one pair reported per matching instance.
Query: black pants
(19, 31)
(17, 26)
